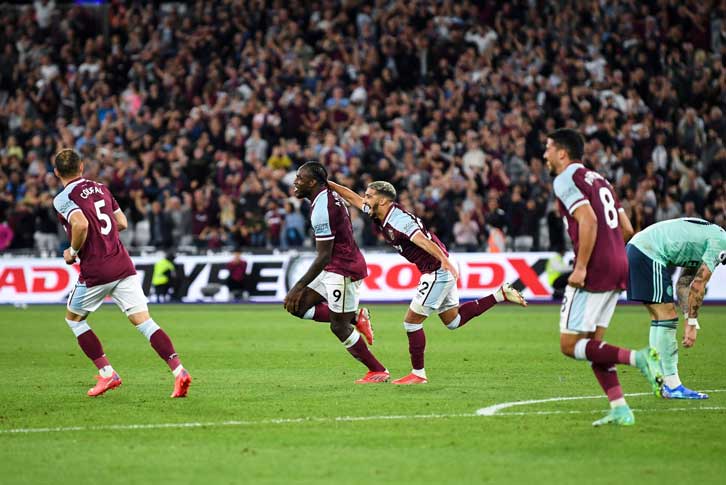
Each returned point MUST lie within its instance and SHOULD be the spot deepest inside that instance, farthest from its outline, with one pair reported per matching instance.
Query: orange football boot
(363, 325)
(181, 384)
(410, 379)
(374, 378)
(104, 384)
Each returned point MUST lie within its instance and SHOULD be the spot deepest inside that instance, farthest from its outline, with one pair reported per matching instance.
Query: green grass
(256, 364)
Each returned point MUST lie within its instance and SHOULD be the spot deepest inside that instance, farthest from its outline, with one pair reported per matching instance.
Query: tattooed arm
(695, 300)
(683, 288)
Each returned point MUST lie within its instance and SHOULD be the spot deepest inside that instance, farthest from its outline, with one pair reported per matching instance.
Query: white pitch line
(350, 419)
(333, 419)
(599, 411)
(494, 409)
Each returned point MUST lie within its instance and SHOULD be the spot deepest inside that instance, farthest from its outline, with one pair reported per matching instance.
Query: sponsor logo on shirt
(322, 228)
(410, 227)
(66, 205)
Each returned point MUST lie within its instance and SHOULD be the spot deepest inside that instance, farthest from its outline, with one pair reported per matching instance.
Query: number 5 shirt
(103, 257)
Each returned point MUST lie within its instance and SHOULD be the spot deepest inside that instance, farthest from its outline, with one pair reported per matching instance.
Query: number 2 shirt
(103, 257)
(577, 186)
(398, 227)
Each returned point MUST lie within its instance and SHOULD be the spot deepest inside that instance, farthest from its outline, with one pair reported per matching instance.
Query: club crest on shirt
(391, 234)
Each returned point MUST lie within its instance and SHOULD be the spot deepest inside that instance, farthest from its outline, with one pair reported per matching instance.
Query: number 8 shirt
(608, 266)
(103, 257)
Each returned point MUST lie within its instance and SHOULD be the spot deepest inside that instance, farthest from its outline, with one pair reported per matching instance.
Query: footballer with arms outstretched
(329, 289)
(598, 227)
(436, 291)
(697, 246)
(93, 219)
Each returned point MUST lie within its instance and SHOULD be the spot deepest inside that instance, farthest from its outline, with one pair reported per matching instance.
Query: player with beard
(436, 291)
(598, 227)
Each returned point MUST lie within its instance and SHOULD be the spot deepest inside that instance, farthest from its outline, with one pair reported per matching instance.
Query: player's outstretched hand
(67, 257)
(577, 278)
(689, 336)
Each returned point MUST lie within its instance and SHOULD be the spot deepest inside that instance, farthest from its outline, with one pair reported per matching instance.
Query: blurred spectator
(184, 103)
(466, 232)
(6, 235)
(279, 160)
(668, 209)
(294, 226)
(160, 226)
(237, 268)
(180, 218)
(274, 218)
(164, 279)
(46, 224)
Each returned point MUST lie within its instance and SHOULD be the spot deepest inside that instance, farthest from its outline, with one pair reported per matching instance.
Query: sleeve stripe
(324, 238)
(117, 210)
(418, 229)
(577, 204)
(621, 209)
(68, 217)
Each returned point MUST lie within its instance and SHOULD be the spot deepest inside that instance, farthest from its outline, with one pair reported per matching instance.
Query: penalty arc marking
(494, 409)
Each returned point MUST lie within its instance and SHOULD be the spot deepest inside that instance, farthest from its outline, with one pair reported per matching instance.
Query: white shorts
(583, 310)
(436, 292)
(342, 294)
(127, 293)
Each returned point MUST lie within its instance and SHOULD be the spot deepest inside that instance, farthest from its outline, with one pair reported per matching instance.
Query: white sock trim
(106, 371)
(178, 370)
(78, 328)
(352, 339)
(454, 323)
(412, 327)
(618, 402)
(148, 328)
(633, 358)
(309, 314)
(499, 295)
(580, 349)
(419, 372)
(672, 381)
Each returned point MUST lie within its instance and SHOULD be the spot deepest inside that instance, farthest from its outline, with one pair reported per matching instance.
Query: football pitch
(273, 401)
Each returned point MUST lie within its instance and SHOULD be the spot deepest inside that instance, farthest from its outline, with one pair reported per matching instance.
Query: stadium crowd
(197, 115)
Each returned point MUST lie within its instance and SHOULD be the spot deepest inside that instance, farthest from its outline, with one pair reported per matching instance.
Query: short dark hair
(67, 162)
(317, 171)
(569, 140)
